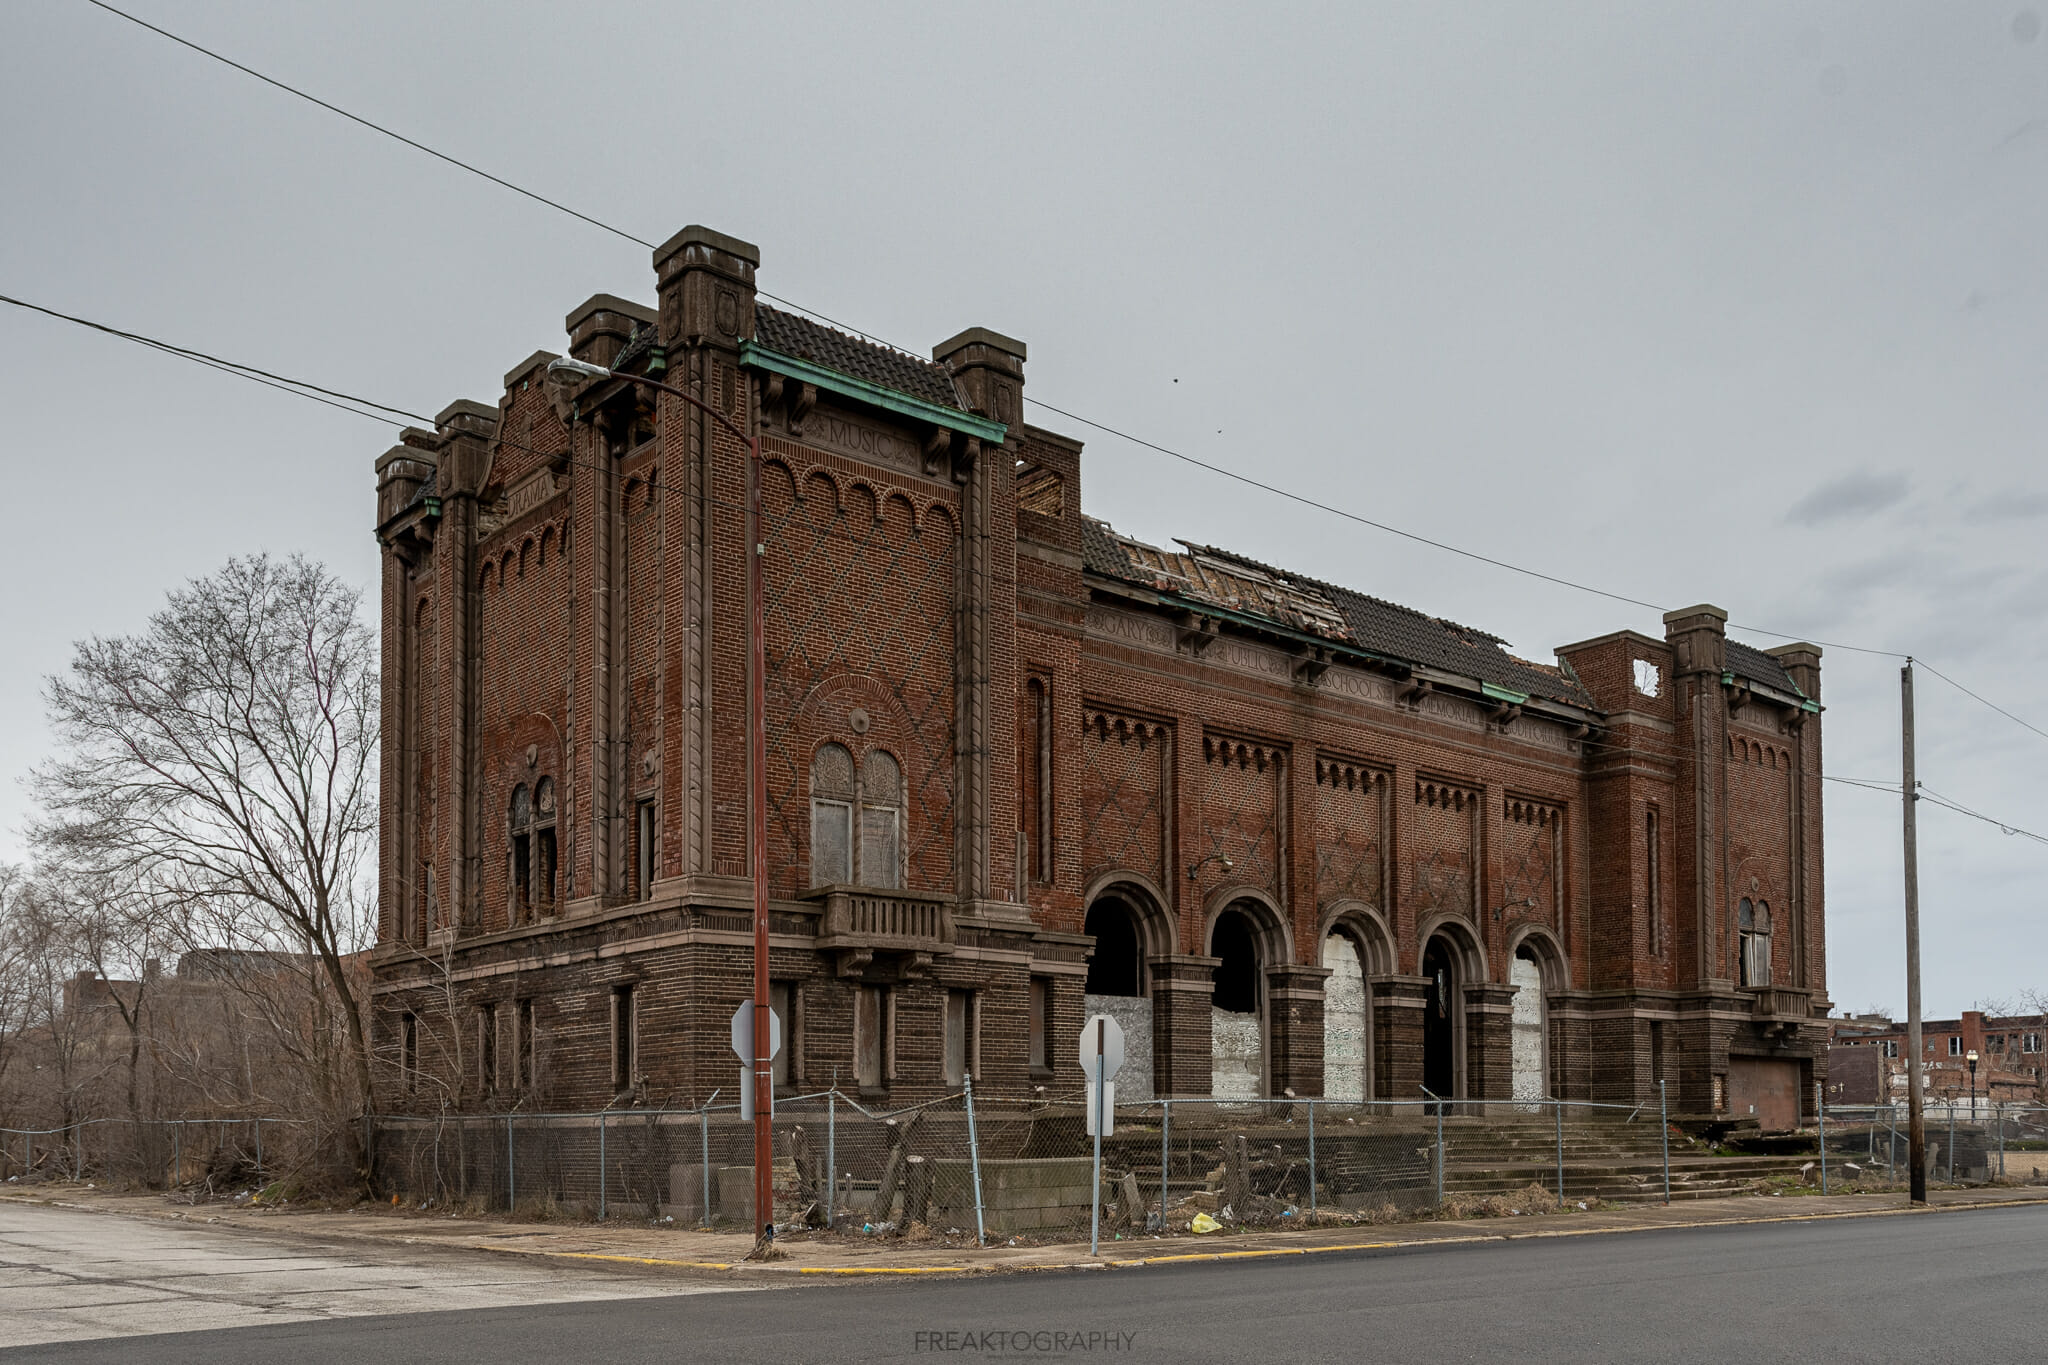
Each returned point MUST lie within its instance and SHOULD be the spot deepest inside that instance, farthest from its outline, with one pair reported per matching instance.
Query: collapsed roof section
(1206, 578)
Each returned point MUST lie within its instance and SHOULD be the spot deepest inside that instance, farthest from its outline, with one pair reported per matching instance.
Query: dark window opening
(782, 1001)
(544, 867)
(644, 850)
(1439, 1021)
(1114, 965)
(487, 1049)
(1237, 975)
(1753, 927)
(522, 873)
(409, 1051)
(522, 1023)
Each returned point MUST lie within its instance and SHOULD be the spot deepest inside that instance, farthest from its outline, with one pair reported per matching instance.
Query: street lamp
(1971, 1058)
(570, 371)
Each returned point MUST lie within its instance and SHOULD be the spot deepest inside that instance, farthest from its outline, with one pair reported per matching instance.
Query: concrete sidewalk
(670, 1250)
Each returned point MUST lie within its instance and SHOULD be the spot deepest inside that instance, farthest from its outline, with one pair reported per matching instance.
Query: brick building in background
(1022, 767)
(1871, 1052)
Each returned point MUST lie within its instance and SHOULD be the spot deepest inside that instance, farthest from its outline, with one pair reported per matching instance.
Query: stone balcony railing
(861, 921)
(1780, 1009)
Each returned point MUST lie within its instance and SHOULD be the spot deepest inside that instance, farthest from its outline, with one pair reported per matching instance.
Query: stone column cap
(980, 336)
(463, 407)
(1702, 609)
(696, 234)
(608, 303)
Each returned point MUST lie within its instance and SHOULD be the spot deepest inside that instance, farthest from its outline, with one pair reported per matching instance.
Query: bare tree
(227, 753)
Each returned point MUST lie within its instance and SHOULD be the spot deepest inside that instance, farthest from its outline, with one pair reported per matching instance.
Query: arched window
(532, 857)
(856, 819)
(1753, 930)
(881, 821)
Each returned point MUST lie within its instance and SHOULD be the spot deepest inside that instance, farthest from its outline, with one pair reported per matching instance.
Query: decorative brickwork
(985, 711)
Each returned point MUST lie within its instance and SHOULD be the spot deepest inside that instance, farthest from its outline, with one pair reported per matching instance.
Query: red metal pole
(757, 802)
(757, 837)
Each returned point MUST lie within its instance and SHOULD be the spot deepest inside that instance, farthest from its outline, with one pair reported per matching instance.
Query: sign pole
(1095, 1199)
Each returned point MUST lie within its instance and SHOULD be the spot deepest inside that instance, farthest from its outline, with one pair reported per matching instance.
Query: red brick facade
(989, 716)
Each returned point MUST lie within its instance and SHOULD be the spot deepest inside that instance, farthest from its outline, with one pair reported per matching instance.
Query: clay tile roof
(639, 344)
(1746, 661)
(865, 360)
(1216, 577)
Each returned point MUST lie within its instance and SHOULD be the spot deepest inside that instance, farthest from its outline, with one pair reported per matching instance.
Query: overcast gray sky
(1741, 303)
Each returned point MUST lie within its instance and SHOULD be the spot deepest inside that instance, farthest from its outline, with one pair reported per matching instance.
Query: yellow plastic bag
(1204, 1223)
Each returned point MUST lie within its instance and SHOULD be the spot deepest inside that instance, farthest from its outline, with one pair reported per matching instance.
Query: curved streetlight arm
(568, 369)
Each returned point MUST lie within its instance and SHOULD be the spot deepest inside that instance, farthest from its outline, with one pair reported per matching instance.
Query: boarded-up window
(856, 821)
(870, 1047)
(623, 1030)
(959, 1005)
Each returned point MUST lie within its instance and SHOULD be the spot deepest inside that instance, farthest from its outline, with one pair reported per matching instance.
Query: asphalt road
(1956, 1286)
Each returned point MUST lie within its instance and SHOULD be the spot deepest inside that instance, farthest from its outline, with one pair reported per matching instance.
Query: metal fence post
(1311, 1160)
(1998, 1112)
(259, 1149)
(1664, 1136)
(1951, 1141)
(1165, 1155)
(1820, 1117)
(511, 1170)
(600, 1168)
(177, 1153)
(1439, 1155)
(704, 1134)
(831, 1153)
(1557, 1110)
(78, 1152)
(974, 1155)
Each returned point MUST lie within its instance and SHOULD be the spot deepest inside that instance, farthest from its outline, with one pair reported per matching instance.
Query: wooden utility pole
(1916, 1118)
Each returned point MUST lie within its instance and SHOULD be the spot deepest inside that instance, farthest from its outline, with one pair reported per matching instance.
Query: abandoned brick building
(1021, 767)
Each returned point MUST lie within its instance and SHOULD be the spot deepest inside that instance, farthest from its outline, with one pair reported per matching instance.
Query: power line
(1929, 794)
(1208, 466)
(454, 161)
(1974, 697)
(1220, 470)
(1935, 798)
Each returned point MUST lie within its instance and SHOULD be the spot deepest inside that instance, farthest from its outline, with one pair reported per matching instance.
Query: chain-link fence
(221, 1155)
(1968, 1142)
(953, 1169)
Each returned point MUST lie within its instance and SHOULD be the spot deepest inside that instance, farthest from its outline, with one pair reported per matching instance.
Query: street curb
(1254, 1253)
(769, 1270)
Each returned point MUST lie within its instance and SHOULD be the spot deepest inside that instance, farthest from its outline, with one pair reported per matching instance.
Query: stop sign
(1102, 1037)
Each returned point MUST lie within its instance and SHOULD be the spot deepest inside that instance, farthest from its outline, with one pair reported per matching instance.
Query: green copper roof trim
(1810, 706)
(1487, 689)
(874, 395)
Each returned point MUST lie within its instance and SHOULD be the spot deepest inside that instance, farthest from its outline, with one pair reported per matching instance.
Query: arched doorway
(1118, 985)
(1443, 1019)
(1347, 1021)
(1526, 1040)
(1237, 1050)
